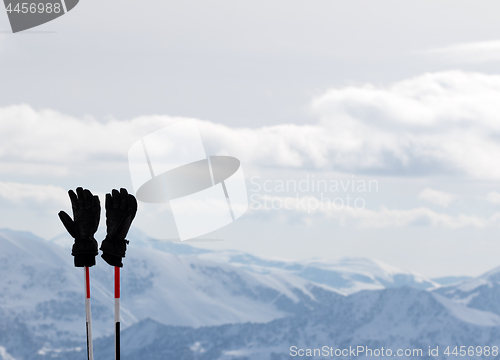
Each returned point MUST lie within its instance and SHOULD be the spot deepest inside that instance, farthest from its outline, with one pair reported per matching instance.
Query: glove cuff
(84, 252)
(86, 260)
(112, 260)
(114, 250)
(85, 247)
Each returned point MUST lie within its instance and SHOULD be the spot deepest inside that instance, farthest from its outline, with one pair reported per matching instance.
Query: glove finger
(108, 202)
(96, 208)
(81, 200)
(96, 204)
(132, 205)
(87, 199)
(74, 200)
(123, 198)
(68, 223)
(116, 198)
(123, 227)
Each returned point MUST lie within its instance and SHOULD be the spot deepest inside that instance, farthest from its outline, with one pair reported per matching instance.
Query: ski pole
(82, 227)
(121, 208)
(117, 313)
(90, 351)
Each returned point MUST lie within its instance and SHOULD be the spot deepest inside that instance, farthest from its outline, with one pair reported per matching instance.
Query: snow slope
(228, 305)
(481, 293)
(398, 318)
(40, 286)
(346, 276)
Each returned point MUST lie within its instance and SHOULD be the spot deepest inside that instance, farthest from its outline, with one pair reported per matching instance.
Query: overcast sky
(400, 95)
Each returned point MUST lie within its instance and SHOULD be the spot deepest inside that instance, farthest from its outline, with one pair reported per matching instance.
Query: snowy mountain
(481, 293)
(399, 318)
(450, 280)
(182, 302)
(346, 276)
(41, 287)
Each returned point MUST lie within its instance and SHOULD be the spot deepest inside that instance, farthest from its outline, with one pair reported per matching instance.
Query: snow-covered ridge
(482, 292)
(346, 276)
(243, 303)
(174, 283)
(40, 285)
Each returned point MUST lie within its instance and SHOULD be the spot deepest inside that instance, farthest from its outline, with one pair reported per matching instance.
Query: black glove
(121, 208)
(86, 214)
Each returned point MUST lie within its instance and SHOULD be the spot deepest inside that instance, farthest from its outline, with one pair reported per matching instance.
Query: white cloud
(26, 194)
(33, 168)
(431, 124)
(493, 197)
(52, 137)
(34, 207)
(474, 52)
(439, 123)
(308, 206)
(47, 142)
(443, 122)
(440, 198)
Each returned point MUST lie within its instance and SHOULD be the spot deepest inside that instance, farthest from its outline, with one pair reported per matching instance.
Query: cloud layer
(435, 124)
(439, 123)
(475, 52)
(437, 197)
(357, 214)
(30, 194)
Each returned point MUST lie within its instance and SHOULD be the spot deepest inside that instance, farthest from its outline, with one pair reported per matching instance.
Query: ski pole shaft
(117, 313)
(90, 351)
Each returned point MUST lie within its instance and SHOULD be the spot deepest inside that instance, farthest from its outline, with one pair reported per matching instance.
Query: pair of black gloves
(121, 208)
